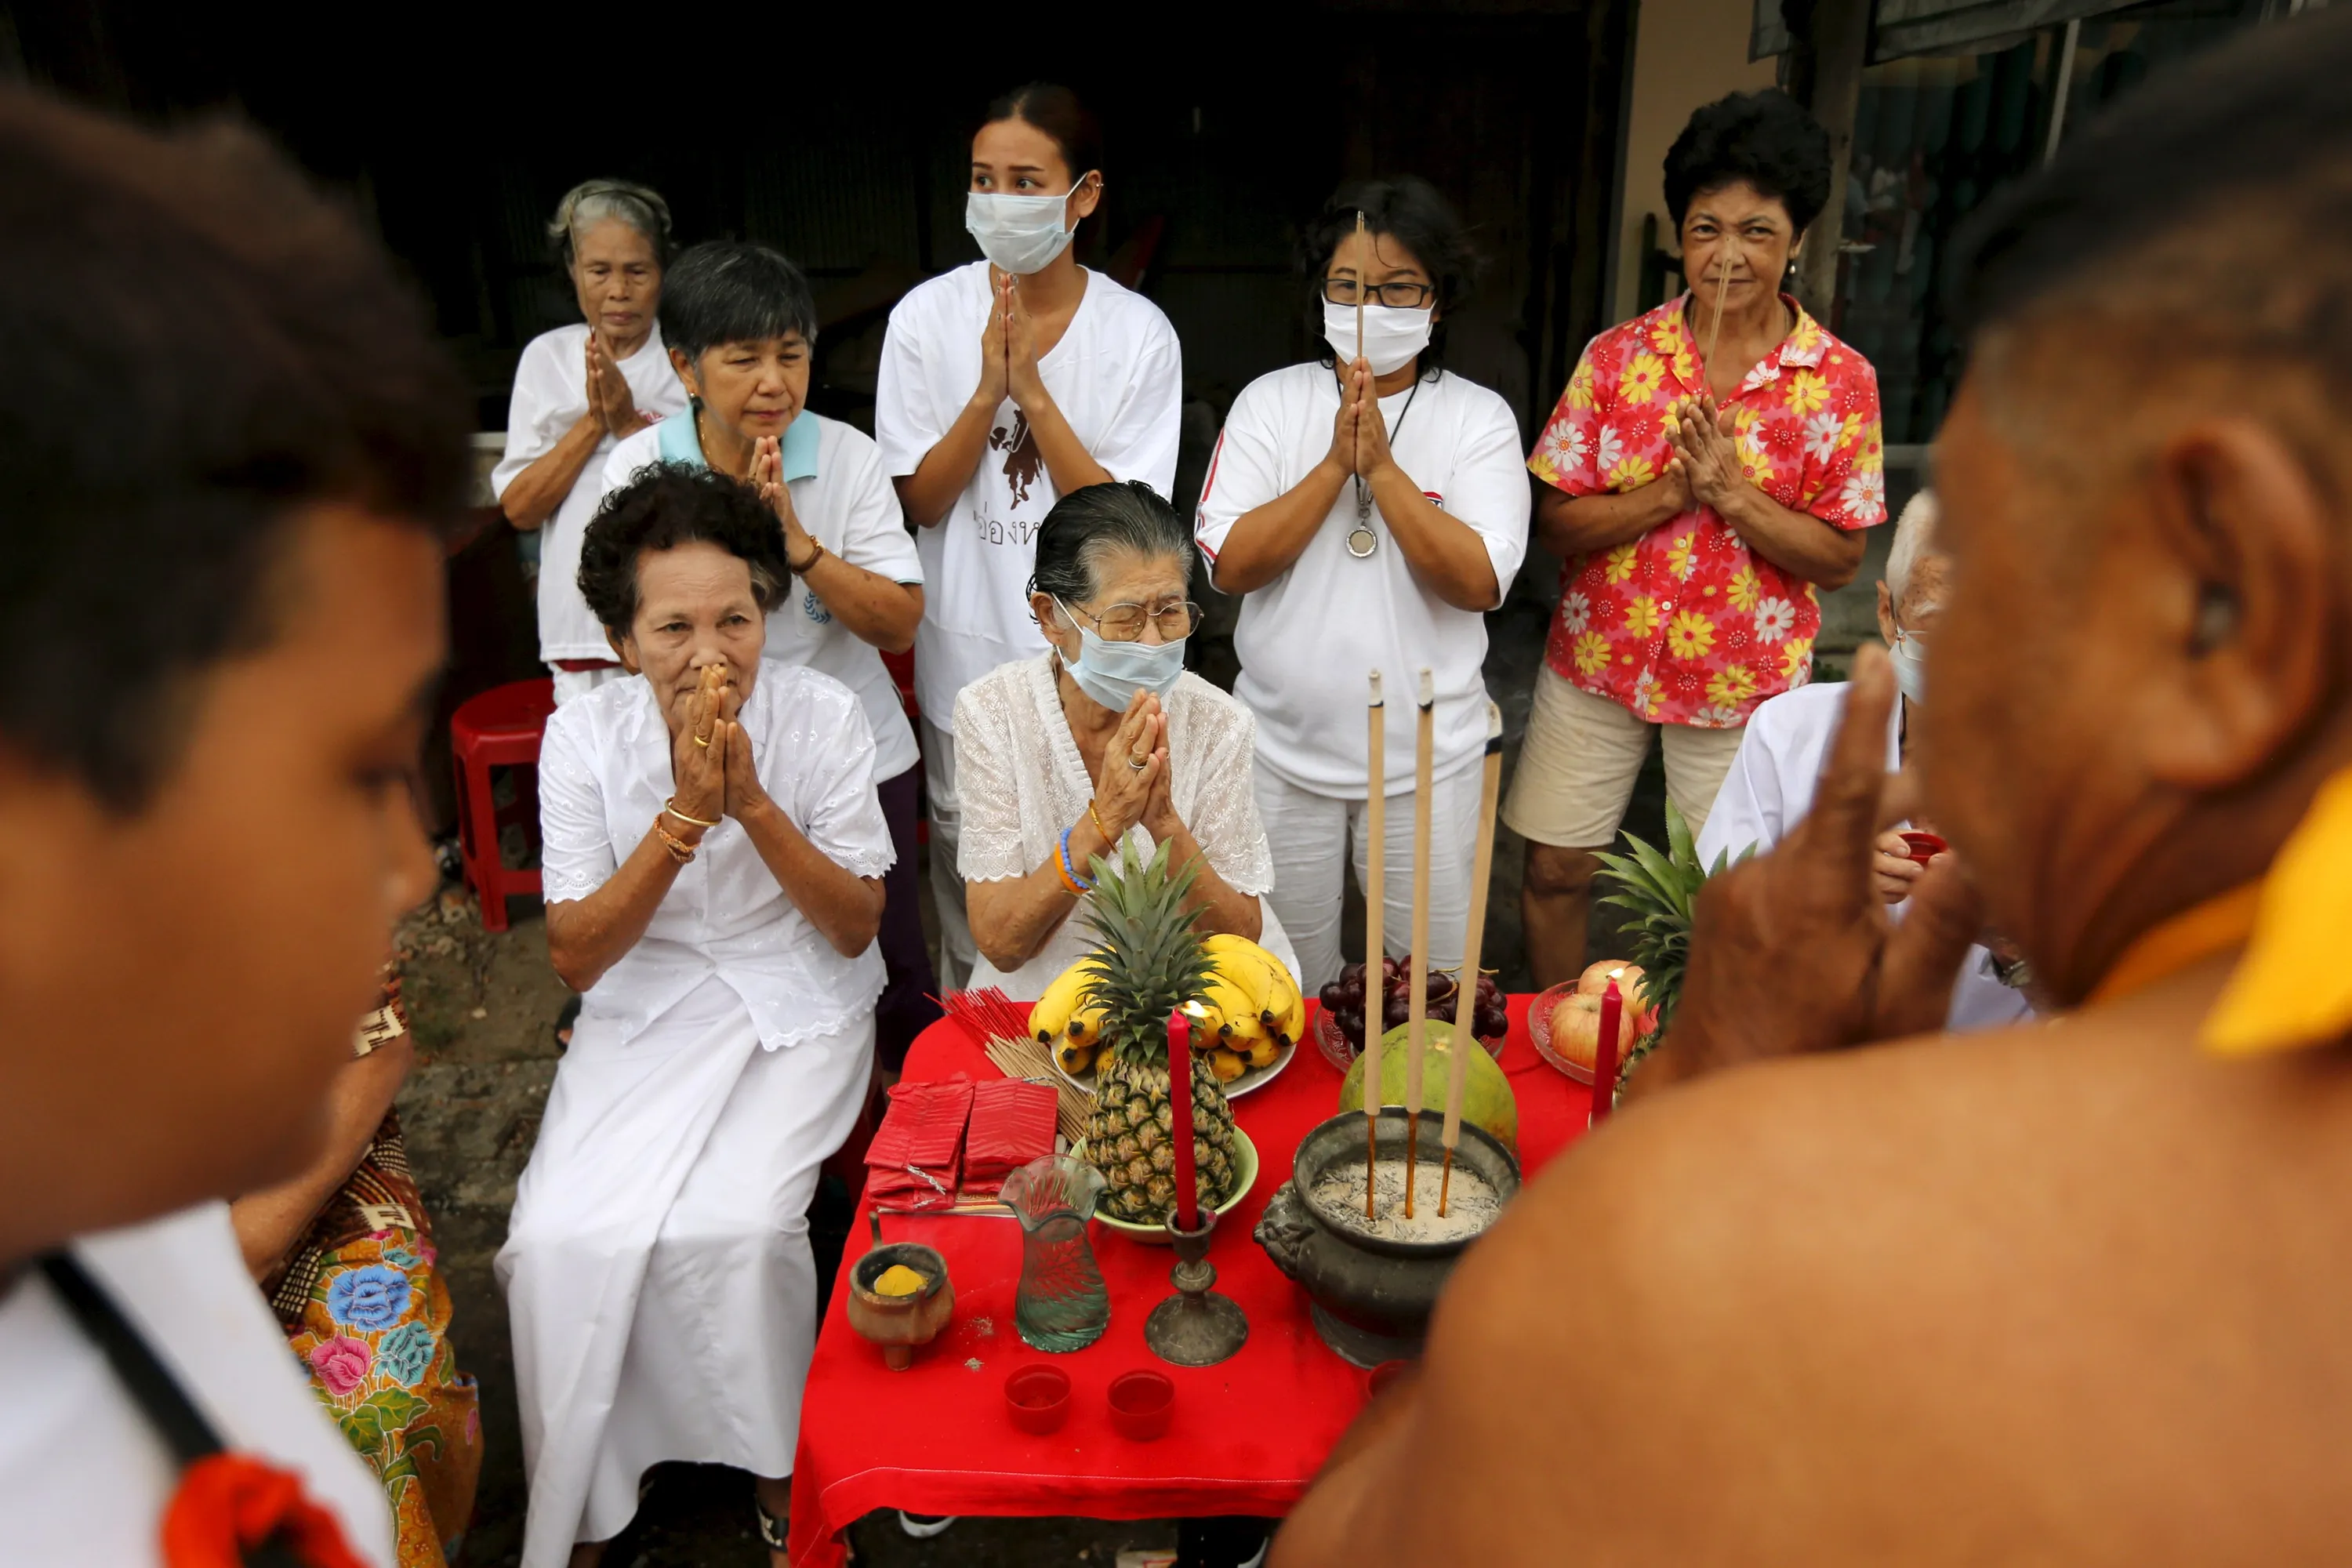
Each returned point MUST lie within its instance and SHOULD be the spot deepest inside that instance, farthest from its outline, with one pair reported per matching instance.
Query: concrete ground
(483, 1006)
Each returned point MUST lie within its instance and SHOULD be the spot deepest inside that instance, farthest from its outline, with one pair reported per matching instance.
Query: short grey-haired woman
(578, 390)
(1104, 737)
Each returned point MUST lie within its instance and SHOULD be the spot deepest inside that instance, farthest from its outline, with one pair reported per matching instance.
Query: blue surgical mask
(1113, 672)
(1910, 665)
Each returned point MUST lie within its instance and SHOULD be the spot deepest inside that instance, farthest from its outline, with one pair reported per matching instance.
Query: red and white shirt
(1687, 625)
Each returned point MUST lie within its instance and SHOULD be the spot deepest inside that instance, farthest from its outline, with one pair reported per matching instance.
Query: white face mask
(1910, 662)
(1393, 338)
(1021, 234)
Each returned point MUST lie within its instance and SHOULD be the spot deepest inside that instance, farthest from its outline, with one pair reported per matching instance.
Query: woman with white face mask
(1104, 738)
(1370, 507)
(1005, 385)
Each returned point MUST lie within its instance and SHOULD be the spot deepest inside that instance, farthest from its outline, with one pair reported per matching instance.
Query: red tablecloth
(1248, 1435)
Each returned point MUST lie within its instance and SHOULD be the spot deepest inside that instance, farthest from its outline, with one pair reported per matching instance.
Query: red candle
(1604, 1056)
(1179, 1099)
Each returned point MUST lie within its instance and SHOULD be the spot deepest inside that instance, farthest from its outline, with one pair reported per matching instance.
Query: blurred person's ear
(2242, 600)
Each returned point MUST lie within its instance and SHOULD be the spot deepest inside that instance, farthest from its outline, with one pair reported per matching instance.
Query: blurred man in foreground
(225, 442)
(2074, 1294)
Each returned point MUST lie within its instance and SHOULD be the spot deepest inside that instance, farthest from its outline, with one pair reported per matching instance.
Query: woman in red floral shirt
(1704, 476)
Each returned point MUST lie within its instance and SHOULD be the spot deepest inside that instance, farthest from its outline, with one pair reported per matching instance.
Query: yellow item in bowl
(898, 1280)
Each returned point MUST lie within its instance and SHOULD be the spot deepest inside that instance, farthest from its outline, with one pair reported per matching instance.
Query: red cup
(1377, 1381)
(1140, 1405)
(1924, 847)
(1038, 1398)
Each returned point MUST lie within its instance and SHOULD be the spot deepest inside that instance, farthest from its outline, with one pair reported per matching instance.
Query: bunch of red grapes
(1343, 999)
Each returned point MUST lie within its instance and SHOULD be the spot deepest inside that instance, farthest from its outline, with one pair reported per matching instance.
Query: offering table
(1247, 1435)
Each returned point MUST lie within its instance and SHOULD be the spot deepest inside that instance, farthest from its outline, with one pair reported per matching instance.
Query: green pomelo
(1486, 1098)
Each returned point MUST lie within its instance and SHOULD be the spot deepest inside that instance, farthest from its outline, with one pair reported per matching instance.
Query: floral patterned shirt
(1685, 625)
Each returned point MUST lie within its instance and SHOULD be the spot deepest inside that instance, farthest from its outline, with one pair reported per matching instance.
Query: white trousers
(1309, 835)
(957, 952)
(657, 1267)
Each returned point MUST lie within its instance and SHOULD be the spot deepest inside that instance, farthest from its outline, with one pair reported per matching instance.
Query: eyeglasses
(1403, 295)
(1124, 623)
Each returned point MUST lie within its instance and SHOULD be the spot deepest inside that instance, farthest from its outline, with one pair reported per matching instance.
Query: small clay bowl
(1924, 847)
(900, 1324)
(1140, 1405)
(1378, 1381)
(1037, 1398)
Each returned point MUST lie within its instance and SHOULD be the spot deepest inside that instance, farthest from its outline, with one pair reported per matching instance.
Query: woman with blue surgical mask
(1005, 385)
(1100, 739)
(1371, 507)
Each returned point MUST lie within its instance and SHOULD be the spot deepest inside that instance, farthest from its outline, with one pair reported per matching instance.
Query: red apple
(1594, 982)
(1576, 1029)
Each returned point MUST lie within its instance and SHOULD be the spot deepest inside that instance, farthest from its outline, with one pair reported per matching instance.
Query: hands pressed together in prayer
(768, 479)
(609, 397)
(1359, 436)
(1706, 463)
(710, 756)
(1807, 925)
(1008, 349)
(1125, 794)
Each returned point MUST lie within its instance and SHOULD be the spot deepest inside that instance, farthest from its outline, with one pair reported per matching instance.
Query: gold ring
(700, 742)
(1138, 764)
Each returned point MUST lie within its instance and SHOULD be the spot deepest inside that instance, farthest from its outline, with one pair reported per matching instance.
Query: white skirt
(656, 1265)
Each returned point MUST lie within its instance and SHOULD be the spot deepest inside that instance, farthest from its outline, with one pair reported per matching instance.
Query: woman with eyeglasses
(1102, 738)
(1370, 507)
(1003, 386)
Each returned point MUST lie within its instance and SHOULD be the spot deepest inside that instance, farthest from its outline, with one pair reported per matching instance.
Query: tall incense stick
(1417, 1015)
(1364, 263)
(1715, 328)
(1376, 855)
(1466, 988)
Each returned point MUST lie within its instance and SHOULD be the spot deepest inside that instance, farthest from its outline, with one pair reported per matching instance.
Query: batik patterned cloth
(367, 1312)
(1687, 625)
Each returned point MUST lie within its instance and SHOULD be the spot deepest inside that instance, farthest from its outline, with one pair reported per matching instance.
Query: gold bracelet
(679, 849)
(1108, 836)
(670, 806)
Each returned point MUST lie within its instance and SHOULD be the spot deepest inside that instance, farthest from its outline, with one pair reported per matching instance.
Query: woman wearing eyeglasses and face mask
(1102, 738)
(1005, 385)
(1371, 508)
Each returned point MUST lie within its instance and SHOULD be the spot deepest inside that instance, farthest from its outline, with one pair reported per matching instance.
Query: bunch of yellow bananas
(1252, 1011)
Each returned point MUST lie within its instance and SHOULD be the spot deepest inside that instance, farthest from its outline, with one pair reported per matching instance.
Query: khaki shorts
(1582, 755)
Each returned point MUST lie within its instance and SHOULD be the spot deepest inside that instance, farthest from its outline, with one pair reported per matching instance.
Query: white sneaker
(923, 1526)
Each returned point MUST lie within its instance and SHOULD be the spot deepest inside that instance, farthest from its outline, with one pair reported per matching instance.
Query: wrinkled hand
(1123, 790)
(1794, 951)
(1705, 453)
(1160, 818)
(767, 477)
(1342, 455)
(1022, 381)
(699, 772)
(745, 794)
(609, 393)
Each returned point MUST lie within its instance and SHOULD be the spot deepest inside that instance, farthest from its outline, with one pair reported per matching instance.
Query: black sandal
(772, 1528)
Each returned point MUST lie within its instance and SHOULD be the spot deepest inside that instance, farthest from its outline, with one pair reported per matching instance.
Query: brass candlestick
(1195, 1327)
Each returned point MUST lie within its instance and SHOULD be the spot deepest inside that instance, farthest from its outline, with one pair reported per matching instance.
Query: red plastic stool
(500, 728)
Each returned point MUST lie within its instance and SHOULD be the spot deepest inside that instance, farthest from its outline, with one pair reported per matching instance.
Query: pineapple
(1151, 961)
(1660, 891)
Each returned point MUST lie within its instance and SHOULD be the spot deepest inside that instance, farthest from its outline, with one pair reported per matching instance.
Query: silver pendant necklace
(1363, 542)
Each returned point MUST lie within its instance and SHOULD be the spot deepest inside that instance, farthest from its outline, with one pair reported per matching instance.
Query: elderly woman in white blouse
(713, 862)
(1104, 737)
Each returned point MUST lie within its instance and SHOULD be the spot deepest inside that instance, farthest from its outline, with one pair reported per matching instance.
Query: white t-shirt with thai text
(1309, 639)
(84, 1476)
(1117, 376)
(550, 395)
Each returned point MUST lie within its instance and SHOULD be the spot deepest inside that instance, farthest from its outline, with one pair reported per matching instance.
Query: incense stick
(1376, 856)
(1465, 985)
(1715, 329)
(1363, 263)
(1417, 1015)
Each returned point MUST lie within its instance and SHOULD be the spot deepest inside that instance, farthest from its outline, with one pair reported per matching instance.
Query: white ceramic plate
(1251, 1078)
